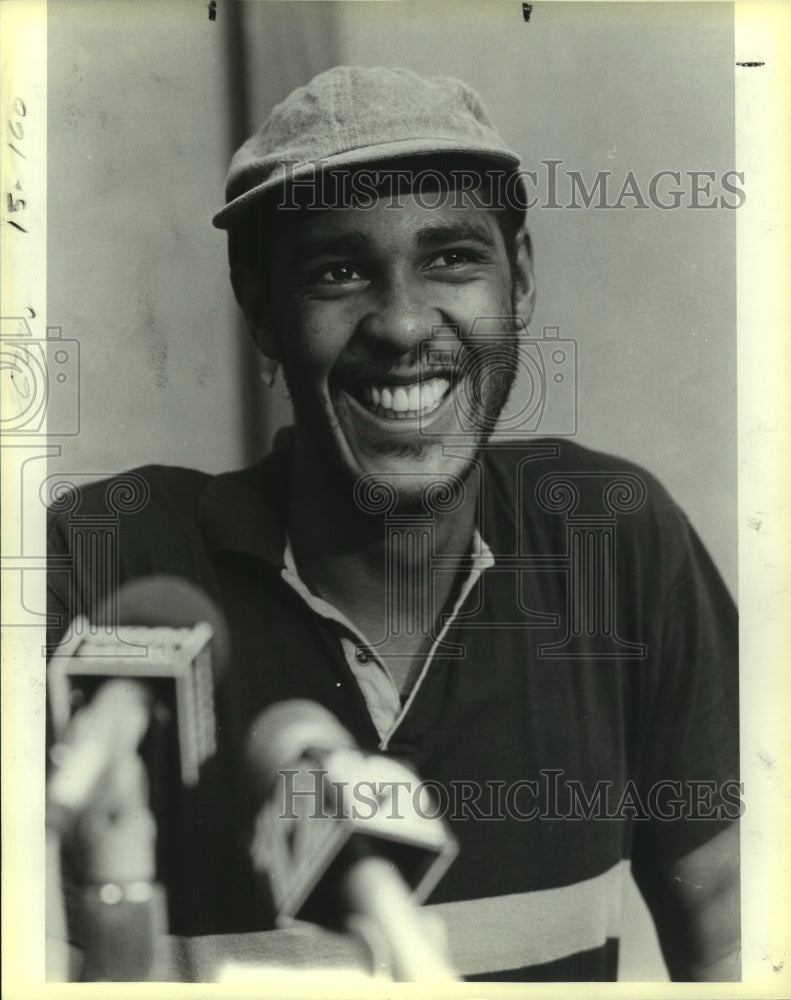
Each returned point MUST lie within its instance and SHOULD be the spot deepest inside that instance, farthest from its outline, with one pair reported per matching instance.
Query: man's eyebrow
(356, 242)
(441, 235)
(350, 243)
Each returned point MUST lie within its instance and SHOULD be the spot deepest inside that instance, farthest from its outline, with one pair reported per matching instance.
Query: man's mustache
(427, 363)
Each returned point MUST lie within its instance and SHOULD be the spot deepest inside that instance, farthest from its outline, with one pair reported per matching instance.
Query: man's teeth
(418, 398)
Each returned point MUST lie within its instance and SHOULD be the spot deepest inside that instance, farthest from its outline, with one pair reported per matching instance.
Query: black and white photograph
(393, 531)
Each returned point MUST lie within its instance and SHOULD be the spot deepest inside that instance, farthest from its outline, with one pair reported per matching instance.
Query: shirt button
(362, 655)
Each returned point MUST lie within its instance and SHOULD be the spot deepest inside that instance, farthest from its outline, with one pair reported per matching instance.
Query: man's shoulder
(556, 454)
(171, 509)
(552, 465)
(551, 484)
(109, 531)
(143, 491)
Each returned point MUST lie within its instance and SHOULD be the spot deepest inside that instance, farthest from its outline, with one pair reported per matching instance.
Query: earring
(269, 373)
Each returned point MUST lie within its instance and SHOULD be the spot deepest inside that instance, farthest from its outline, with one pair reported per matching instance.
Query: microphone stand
(121, 909)
(103, 809)
(407, 945)
(364, 871)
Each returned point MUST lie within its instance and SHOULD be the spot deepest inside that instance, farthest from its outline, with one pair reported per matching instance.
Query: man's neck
(375, 566)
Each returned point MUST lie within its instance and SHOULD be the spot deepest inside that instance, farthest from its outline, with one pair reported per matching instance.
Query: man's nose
(401, 315)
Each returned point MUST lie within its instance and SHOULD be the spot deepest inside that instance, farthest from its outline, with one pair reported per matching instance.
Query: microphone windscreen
(325, 804)
(288, 731)
(164, 601)
(164, 632)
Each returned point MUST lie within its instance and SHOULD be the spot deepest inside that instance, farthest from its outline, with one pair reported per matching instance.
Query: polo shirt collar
(246, 511)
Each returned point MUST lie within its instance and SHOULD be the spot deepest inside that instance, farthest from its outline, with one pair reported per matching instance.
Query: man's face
(355, 294)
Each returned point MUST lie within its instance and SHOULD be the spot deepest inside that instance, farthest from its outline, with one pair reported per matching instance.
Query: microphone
(151, 654)
(338, 846)
(140, 678)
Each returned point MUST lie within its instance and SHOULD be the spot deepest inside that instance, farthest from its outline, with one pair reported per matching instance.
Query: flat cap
(352, 115)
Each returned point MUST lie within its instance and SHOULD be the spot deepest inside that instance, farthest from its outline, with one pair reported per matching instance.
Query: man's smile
(403, 398)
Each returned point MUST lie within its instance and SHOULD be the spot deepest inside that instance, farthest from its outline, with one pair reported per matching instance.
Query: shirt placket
(368, 668)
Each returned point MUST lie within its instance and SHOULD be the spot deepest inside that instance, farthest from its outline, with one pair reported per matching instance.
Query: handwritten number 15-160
(17, 132)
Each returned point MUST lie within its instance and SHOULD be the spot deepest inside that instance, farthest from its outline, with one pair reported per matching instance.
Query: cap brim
(370, 154)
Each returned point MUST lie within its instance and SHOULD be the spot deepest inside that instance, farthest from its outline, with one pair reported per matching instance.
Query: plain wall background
(138, 144)
(147, 100)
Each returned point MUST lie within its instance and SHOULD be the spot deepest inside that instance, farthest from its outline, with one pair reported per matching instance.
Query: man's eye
(453, 258)
(338, 274)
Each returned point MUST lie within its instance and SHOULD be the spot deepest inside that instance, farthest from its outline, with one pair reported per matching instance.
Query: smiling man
(349, 299)
(358, 290)
(534, 626)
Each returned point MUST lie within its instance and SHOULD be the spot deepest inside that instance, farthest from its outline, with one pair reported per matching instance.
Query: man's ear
(252, 301)
(524, 281)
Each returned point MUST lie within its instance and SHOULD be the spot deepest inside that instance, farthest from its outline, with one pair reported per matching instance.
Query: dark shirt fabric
(587, 688)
